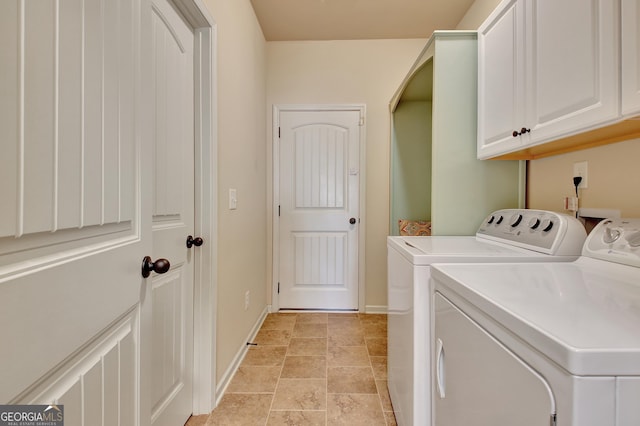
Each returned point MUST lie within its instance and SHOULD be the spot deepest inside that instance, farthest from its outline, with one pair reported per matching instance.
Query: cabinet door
(501, 79)
(630, 57)
(573, 61)
(480, 382)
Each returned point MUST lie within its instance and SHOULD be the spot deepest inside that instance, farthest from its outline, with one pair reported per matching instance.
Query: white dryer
(550, 343)
(510, 235)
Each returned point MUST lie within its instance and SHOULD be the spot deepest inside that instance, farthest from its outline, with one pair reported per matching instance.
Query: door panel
(71, 228)
(480, 382)
(173, 216)
(319, 184)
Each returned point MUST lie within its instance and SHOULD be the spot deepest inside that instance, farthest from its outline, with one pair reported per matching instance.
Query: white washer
(510, 235)
(550, 343)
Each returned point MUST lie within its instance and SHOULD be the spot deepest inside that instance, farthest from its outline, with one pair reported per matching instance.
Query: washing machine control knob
(634, 239)
(610, 235)
(534, 223)
(547, 224)
(499, 221)
(515, 220)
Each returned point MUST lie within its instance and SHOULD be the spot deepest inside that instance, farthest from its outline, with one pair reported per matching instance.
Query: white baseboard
(375, 309)
(237, 360)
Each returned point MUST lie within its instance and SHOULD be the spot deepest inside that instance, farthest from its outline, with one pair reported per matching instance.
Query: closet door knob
(352, 221)
(197, 241)
(160, 266)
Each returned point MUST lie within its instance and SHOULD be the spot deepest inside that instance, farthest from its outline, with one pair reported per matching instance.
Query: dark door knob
(160, 266)
(197, 241)
(352, 221)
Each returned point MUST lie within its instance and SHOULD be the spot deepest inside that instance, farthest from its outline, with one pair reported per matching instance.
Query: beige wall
(613, 179)
(350, 72)
(241, 161)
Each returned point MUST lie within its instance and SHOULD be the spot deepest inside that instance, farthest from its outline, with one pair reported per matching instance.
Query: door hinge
(553, 421)
(278, 288)
(278, 132)
(278, 211)
(361, 123)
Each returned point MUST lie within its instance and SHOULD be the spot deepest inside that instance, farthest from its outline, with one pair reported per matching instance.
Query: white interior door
(319, 172)
(72, 228)
(173, 217)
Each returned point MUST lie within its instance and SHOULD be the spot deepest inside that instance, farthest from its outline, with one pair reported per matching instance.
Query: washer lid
(428, 250)
(584, 315)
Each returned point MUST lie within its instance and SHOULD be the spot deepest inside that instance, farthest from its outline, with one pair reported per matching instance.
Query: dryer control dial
(515, 220)
(547, 225)
(534, 223)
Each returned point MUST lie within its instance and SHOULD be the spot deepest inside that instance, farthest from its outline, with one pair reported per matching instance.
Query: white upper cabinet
(501, 79)
(546, 70)
(630, 57)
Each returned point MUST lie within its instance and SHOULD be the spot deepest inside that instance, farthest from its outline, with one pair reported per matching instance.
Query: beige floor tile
(241, 409)
(354, 410)
(255, 379)
(373, 318)
(265, 355)
(346, 338)
(297, 418)
(343, 315)
(377, 346)
(343, 321)
(350, 380)
(346, 356)
(375, 329)
(316, 318)
(310, 330)
(311, 369)
(383, 392)
(279, 322)
(304, 367)
(391, 418)
(300, 394)
(273, 337)
(197, 420)
(307, 346)
(379, 365)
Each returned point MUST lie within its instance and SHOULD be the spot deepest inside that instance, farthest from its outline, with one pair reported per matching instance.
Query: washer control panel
(539, 230)
(615, 240)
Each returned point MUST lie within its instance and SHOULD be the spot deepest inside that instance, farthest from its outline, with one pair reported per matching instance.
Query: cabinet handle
(440, 368)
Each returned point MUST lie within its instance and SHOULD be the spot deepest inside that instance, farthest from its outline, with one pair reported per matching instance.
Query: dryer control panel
(543, 231)
(615, 240)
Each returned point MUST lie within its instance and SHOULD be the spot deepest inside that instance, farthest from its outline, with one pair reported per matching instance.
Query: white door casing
(317, 184)
(73, 225)
(171, 298)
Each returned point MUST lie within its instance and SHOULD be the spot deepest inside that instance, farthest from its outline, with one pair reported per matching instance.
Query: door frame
(275, 266)
(206, 206)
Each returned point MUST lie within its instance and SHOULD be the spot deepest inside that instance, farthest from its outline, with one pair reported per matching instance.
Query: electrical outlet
(580, 169)
(246, 300)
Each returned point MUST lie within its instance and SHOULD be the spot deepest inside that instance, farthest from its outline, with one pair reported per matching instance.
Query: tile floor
(310, 369)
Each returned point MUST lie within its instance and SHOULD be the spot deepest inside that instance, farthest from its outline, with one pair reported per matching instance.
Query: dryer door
(480, 382)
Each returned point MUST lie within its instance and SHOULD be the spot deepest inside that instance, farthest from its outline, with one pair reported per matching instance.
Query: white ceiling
(283, 20)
